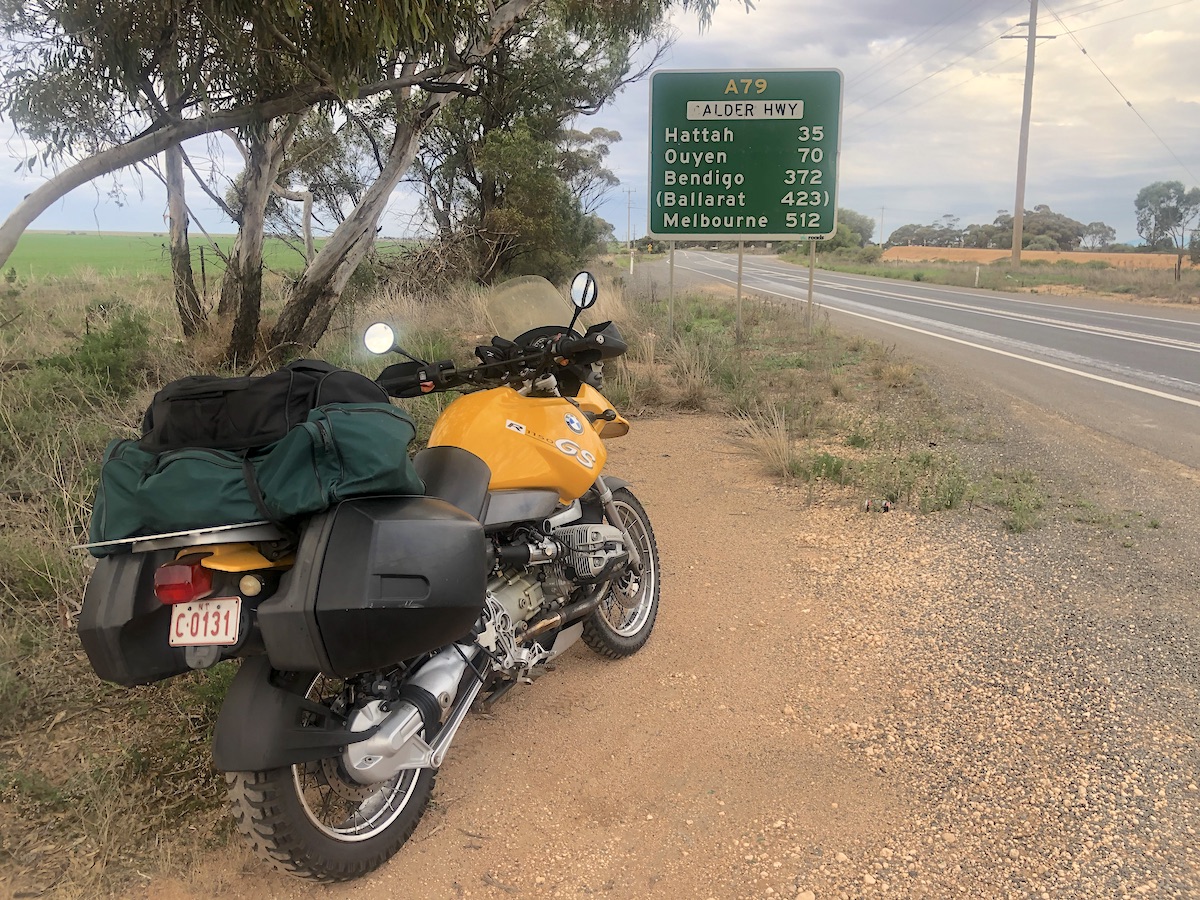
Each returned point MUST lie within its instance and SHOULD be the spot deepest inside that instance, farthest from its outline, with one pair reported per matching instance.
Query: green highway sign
(744, 154)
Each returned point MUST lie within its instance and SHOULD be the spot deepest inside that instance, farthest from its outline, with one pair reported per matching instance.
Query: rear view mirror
(583, 290)
(380, 338)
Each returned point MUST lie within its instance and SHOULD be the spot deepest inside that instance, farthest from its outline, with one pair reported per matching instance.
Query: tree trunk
(306, 198)
(262, 169)
(187, 301)
(230, 283)
(307, 315)
(326, 277)
(42, 198)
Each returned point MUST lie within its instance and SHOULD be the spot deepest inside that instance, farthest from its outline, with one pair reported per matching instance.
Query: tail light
(182, 581)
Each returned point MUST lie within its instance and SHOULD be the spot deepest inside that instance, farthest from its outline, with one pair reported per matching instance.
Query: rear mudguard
(259, 727)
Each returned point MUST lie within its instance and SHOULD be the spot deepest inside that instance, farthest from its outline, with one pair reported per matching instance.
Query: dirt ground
(966, 254)
(838, 703)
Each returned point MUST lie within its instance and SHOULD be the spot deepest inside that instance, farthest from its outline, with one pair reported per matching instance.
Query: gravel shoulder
(841, 704)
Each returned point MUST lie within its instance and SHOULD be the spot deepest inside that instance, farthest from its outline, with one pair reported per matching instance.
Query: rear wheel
(622, 623)
(313, 821)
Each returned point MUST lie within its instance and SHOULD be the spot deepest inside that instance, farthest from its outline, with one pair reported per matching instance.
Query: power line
(1136, 14)
(932, 55)
(913, 42)
(1128, 102)
(953, 87)
(926, 78)
(1083, 9)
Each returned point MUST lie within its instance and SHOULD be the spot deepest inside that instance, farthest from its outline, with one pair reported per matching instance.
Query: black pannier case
(385, 580)
(377, 580)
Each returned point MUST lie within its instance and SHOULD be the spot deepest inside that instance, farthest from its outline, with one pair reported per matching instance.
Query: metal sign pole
(812, 264)
(741, 246)
(671, 294)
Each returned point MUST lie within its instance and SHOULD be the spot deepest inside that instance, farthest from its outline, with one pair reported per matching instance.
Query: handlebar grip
(568, 347)
(414, 379)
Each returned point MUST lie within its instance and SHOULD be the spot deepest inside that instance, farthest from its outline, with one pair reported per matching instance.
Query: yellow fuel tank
(528, 442)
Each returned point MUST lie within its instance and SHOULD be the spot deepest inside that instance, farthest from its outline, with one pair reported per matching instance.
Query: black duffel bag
(248, 413)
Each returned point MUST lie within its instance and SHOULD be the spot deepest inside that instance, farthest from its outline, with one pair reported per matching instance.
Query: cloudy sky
(931, 115)
(932, 101)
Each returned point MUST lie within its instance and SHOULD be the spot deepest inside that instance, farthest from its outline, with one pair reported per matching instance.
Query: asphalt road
(1130, 370)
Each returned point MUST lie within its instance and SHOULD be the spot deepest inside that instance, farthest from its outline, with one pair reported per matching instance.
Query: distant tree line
(1166, 215)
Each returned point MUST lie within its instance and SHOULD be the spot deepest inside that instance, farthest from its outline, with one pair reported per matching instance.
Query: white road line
(1162, 395)
(944, 289)
(1098, 330)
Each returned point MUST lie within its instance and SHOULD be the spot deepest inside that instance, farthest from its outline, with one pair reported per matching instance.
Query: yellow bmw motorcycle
(367, 630)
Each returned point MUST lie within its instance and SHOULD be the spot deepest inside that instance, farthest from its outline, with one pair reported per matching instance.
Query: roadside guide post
(744, 155)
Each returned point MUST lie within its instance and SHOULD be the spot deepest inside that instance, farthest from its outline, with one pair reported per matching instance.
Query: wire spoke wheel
(336, 804)
(313, 820)
(622, 623)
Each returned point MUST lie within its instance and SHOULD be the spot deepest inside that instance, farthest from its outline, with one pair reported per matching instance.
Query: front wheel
(622, 623)
(313, 821)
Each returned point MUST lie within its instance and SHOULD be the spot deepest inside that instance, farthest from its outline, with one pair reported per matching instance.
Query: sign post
(744, 154)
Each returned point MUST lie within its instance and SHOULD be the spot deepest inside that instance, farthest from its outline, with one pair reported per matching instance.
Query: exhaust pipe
(568, 615)
(397, 743)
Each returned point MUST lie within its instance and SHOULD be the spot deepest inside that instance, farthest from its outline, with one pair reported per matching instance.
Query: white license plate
(204, 622)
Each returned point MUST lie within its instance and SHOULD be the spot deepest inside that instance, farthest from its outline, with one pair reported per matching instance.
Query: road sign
(744, 154)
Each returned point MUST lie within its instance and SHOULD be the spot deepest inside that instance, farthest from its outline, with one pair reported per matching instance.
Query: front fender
(266, 722)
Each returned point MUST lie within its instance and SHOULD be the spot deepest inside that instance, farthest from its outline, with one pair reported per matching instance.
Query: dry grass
(986, 257)
(765, 431)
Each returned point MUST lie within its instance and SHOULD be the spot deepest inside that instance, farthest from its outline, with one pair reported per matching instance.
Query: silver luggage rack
(220, 534)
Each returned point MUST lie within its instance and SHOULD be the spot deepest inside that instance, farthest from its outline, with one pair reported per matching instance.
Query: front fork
(614, 518)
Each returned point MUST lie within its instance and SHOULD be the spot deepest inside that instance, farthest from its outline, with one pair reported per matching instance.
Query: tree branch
(162, 134)
(212, 195)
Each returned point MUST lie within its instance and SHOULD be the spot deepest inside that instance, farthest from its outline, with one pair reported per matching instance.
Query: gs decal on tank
(586, 458)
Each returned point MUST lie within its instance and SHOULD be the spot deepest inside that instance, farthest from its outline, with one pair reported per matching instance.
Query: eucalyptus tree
(99, 86)
(1166, 211)
(503, 169)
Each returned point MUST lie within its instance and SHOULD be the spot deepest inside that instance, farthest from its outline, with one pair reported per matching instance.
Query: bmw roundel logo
(574, 424)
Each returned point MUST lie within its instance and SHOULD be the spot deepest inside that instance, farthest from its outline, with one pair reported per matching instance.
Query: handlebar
(501, 360)
(412, 379)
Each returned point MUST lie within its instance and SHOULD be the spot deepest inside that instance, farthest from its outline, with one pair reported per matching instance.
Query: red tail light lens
(182, 581)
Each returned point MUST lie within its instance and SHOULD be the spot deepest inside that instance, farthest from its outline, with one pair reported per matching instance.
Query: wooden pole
(1023, 150)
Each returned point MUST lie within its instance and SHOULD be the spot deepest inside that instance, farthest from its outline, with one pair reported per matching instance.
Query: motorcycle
(368, 632)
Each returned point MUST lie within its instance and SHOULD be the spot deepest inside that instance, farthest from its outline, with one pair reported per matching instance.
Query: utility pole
(1026, 110)
(629, 225)
(882, 237)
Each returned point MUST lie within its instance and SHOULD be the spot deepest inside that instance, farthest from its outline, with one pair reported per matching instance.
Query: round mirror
(380, 338)
(583, 290)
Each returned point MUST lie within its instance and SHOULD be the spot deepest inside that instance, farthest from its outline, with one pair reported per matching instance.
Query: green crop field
(44, 253)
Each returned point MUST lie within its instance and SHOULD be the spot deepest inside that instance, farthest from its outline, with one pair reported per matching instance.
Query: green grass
(42, 254)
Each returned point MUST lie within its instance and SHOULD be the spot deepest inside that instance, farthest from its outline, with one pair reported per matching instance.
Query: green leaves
(1165, 213)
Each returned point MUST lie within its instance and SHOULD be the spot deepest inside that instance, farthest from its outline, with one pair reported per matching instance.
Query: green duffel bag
(341, 450)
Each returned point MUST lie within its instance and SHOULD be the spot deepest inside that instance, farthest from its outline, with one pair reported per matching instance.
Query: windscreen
(530, 301)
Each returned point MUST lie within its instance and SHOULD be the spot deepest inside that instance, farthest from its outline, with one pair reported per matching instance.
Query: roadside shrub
(117, 357)
(827, 467)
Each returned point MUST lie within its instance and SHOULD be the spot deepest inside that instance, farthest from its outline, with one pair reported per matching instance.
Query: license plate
(206, 622)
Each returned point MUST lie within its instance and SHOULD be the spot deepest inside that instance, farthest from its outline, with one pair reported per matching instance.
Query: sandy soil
(834, 703)
(965, 254)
